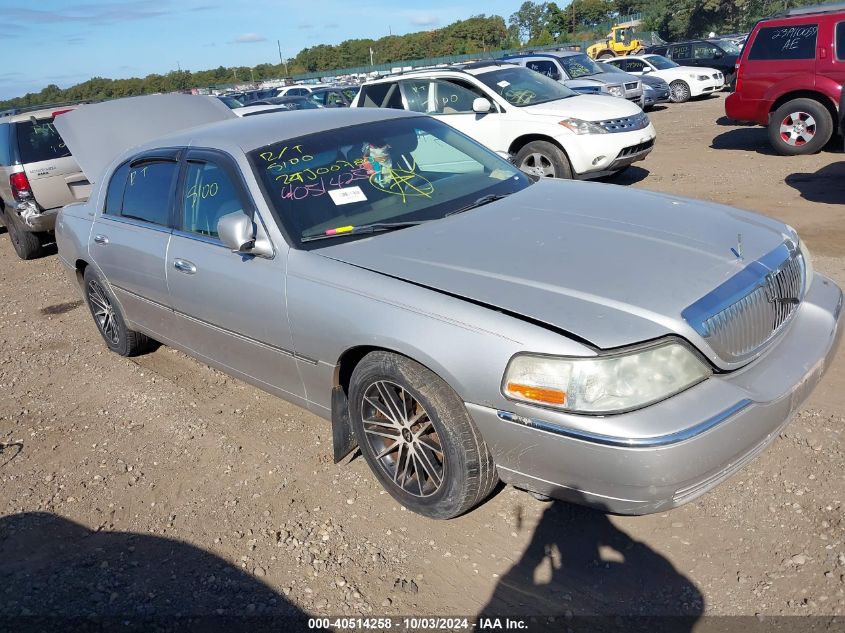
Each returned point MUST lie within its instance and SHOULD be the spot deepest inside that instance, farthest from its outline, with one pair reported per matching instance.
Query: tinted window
(785, 42)
(148, 191)
(209, 195)
(840, 46)
(634, 65)
(703, 51)
(5, 149)
(433, 96)
(296, 92)
(681, 51)
(545, 67)
(114, 195)
(39, 141)
(381, 96)
(659, 50)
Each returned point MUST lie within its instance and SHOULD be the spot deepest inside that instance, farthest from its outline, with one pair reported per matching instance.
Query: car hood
(583, 83)
(100, 132)
(586, 107)
(608, 264)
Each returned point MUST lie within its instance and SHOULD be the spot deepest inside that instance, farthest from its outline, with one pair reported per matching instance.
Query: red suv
(790, 77)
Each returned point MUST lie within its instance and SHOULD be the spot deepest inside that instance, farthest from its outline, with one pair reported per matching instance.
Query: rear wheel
(26, 244)
(679, 91)
(109, 319)
(544, 160)
(800, 126)
(417, 437)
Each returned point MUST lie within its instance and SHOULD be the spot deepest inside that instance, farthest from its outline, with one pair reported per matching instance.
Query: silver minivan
(38, 176)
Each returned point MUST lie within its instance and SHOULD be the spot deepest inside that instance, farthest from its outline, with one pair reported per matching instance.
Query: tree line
(534, 23)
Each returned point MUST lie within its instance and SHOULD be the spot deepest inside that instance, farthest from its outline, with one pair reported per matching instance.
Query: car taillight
(20, 186)
(58, 112)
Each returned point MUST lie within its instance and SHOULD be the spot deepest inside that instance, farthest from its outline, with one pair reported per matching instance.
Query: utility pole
(371, 55)
(281, 61)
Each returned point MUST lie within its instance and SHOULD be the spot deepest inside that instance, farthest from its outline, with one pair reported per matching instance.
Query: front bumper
(704, 434)
(596, 155)
(698, 88)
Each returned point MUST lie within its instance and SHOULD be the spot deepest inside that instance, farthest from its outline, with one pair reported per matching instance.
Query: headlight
(580, 126)
(808, 264)
(699, 77)
(613, 383)
(616, 91)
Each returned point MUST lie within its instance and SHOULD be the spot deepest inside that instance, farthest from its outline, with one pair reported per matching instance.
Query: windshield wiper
(375, 227)
(480, 202)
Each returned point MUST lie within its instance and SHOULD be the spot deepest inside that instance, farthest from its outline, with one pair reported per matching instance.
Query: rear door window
(385, 95)
(634, 65)
(149, 191)
(840, 45)
(39, 140)
(785, 42)
(545, 67)
(681, 51)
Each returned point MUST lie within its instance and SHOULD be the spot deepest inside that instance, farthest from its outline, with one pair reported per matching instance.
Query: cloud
(331, 25)
(424, 19)
(249, 38)
(304, 26)
(107, 12)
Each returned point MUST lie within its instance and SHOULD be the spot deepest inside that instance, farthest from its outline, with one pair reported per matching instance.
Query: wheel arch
(521, 141)
(815, 95)
(79, 267)
(343, 442)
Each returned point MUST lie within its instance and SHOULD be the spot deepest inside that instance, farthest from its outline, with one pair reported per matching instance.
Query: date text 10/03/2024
(419, 623)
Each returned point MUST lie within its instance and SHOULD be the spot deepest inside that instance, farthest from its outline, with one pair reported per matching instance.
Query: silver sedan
(457, 321)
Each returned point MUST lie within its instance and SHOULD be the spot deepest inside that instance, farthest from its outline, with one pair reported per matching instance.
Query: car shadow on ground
(580, 569)
(58, 575)
(756, 138)
(827, 185)
(629, 176)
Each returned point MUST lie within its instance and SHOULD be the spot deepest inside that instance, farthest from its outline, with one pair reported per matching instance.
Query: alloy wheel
(103, 312)
(403, 439)
(797, 129)
(538, 165)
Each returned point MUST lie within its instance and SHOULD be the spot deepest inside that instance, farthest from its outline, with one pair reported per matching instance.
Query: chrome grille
(633, 85)
(625, 124)
(741, 316)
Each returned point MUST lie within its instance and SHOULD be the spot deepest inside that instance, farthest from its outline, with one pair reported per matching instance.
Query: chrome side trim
(628, 442)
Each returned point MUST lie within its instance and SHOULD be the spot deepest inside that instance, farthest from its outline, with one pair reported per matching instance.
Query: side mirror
(481, 105)
(646, 70)
(236, 231)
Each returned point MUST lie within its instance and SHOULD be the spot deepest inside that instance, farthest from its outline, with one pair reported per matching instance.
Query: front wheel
(109, 318)
(543, 160)
(800, 126)
(679, 91)
(417, 437)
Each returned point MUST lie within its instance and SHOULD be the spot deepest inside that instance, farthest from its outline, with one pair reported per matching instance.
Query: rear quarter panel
(73, 228)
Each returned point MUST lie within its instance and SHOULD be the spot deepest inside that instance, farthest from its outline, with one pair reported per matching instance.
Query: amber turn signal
(538, 394)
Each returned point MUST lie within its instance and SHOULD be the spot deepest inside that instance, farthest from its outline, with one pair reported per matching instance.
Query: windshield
(231, 102)
(39, 141)
(522, 87)
(728, 46)
(660, 62)
(399, 170)
(579, 66)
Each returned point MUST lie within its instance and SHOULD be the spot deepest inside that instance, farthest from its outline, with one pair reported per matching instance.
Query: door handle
(101, 239)
(184, 266)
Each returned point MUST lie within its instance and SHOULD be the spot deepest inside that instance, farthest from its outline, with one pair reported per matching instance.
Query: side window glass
(840, 44)
(634, 66)
(785, 42)
(114, 195)
(149, 186)
(384, 95)
(453, 99)
(545, 67)
(5, 147)
(209, 195)
(681, 52)
(703, 51)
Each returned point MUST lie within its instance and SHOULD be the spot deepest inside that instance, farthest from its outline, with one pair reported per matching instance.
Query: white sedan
(684, 81)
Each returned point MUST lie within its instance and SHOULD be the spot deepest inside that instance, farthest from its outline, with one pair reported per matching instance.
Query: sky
(64, 43)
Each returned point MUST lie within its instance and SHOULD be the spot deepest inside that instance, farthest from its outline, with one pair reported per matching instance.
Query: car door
(230, 307)
(703, 54)
(130, 236)
(451, 101)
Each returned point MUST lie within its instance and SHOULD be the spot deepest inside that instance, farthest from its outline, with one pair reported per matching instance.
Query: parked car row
(453, 318)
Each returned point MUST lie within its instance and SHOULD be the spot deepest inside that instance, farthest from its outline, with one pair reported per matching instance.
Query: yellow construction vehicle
(619, 42)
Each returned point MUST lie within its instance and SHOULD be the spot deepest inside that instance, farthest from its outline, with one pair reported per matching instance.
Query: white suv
(550, 130)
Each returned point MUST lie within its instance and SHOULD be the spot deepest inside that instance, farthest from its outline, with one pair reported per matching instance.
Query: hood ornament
(738, 250)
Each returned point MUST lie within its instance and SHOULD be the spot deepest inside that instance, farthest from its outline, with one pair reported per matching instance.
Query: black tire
(679, 91)
(26, 244)
(2, 218)
(120, 339)
(810, 127)
(467, 472)
(543, 159)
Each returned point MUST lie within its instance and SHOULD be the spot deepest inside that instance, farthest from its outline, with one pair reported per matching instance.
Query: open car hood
(97, 133)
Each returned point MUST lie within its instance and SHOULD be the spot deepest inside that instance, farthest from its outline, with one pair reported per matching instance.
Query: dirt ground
(156, 486)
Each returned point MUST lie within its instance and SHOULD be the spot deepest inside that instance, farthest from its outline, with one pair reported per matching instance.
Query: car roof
(474, 68)
(545, 54)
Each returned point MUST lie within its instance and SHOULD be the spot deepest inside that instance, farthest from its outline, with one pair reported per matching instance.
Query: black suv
(721, 54)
